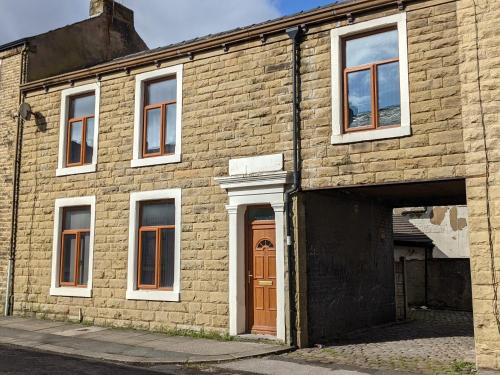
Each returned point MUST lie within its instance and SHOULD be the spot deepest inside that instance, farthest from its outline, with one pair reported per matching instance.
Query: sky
(159, 22)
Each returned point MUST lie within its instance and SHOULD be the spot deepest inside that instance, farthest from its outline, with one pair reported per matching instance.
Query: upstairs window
(371, 81)
(157, 117)
(370, 94)
(80, 130)
(160, 112)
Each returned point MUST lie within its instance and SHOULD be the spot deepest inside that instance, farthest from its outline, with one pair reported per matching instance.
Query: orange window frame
(83, 148)
(372, 67)
(78, 234)
(163, 106)
(158, 249)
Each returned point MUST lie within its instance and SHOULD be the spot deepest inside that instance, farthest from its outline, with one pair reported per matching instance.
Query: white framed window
(79, 129)
(370, 94)
(154, 245)
(158, 117)
(73, 247)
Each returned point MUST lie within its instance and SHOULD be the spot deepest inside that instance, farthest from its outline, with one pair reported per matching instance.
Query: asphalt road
(16, 360)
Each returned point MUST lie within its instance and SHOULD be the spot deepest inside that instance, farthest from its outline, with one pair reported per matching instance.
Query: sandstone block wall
(235, 104)
(435, 148)
(479, 75)
(238, 104)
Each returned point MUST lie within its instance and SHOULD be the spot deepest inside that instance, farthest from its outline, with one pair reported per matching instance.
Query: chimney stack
(112, 9)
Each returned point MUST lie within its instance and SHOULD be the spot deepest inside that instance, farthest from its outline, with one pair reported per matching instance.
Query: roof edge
(315, 16)
(15, 43)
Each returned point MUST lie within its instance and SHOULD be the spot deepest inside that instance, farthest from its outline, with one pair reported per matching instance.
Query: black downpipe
(294, 33)
(9, 293)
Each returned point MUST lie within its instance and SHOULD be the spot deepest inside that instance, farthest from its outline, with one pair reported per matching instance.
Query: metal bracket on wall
(98, 77)
(225, 47)
(127, 70)
(190, 55)
(157, 63)
(263, 38)
(71, 82)
(401, 5)
(350, 18)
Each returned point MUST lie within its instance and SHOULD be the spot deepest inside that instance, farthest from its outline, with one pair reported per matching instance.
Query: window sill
(153, 295)
(71, 292)
(370, 135)
(156, 160)
(88, 168)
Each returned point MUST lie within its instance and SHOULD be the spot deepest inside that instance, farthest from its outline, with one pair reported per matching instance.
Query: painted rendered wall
(447, 227)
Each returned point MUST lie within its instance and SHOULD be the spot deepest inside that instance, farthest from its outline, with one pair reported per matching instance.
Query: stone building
(245, 182)
(107, 34)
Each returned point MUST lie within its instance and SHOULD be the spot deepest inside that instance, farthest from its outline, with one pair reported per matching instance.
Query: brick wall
(10, 70)
(350, 264)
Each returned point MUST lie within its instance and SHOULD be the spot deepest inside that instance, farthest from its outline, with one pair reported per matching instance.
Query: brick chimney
(111, 8)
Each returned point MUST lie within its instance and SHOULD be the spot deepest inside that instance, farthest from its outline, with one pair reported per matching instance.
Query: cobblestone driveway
(431, 342)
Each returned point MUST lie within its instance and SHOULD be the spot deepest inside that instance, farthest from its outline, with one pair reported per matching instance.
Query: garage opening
(389, 264)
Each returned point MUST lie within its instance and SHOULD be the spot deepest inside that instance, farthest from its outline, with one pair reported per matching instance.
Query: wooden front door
(261, 277)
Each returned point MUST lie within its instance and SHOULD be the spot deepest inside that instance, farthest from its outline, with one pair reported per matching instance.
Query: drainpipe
(294, 34)
(9, 294)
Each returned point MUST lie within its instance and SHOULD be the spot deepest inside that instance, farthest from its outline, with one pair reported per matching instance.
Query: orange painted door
(262, 277)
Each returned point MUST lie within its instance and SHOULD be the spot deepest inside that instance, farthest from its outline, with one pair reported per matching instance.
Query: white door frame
(243, 191)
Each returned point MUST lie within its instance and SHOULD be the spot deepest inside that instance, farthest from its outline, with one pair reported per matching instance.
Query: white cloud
(159, 22)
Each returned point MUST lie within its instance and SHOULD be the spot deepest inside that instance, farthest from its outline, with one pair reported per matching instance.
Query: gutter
(294, 33)
(15, 43)
(340, 11)
(9, 292)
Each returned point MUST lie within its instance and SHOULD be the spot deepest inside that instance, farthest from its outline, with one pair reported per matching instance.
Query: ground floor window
(73, 247)
(154, 245)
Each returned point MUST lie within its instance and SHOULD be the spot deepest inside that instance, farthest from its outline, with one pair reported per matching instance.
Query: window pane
(371, 48)
(148, 257)
(77, 218)
(81, 106)
(167, 258)
(389, 110)
(75, 143)
(170, 129)
(260, 213)
(360, 98)
(161, 91)
(68, 258)
(89, 140)
(158, 213)
(83, 265)
(153, 130)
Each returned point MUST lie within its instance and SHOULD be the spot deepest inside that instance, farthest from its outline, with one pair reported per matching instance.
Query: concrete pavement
(126, 346)
(279, 366)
